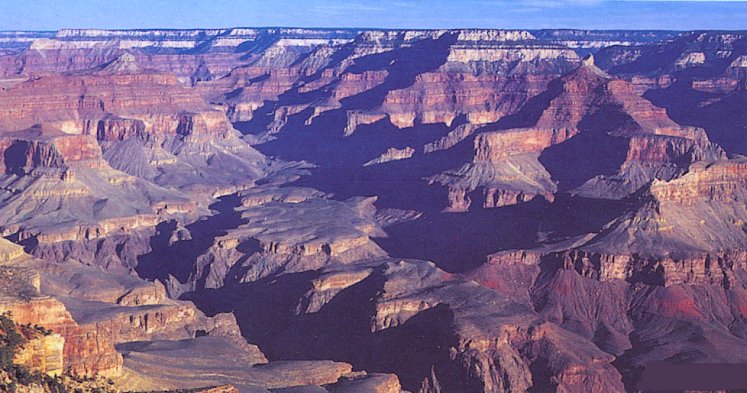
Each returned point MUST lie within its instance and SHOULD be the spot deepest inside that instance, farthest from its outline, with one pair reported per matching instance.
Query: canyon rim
(359, 209)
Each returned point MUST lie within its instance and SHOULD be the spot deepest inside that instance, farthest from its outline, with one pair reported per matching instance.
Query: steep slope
(475, 64)
(589, 133)
(614, 234)
(701, 211)
(127, 329)
(57, 186)
(694, 77)
(148, 124)
(671, 267)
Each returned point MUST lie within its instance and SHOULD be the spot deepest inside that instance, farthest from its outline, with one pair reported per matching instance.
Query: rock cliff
(466, 210)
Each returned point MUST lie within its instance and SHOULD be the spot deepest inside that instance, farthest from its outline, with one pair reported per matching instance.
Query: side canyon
(340, 210)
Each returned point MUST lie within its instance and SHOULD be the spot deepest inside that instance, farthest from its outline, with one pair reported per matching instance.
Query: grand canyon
(369, 210)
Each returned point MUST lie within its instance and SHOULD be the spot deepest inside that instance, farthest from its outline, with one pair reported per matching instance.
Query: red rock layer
(76, 103)
(40, 62)
(86, 352)
(722, 181)
(657, 148)
(440, 97)
(45, 148)
(496, 146)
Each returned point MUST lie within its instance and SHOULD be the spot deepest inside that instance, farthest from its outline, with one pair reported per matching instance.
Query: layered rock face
(255, 209)
(583, 108)
(681, 240)
(58, 187)
(72, 347)
(505, 165)
(89, 312)
(192, 55)
(148, 124)
(41, 351)
(114, 144)
(669, 227)
(697, 77)
(699, 211)
(480, 74)
(85, 351)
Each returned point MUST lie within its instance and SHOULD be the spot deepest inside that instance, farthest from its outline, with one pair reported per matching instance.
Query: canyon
(370, 210)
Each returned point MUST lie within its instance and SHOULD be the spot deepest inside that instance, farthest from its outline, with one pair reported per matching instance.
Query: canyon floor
(341, 210)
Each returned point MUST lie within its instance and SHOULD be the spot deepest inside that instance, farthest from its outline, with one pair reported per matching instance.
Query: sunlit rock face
(146, 122)
(584, 108)
(466, 210)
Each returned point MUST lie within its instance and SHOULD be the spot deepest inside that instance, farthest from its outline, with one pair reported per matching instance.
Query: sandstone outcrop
(48, 173)
(43, 353)
(187, 363)
(180, 199)
(506, 166)
(478, 340)
(289, 235)
(85, 352)
(82, 349)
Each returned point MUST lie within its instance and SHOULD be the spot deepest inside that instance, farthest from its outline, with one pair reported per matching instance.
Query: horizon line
(366, 28)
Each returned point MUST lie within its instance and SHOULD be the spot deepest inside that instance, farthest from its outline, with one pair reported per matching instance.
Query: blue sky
(530, 14)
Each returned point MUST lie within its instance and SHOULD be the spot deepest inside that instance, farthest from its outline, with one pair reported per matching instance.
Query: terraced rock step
(362, 210)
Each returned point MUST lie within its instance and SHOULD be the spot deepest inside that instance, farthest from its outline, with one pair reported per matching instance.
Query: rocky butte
(351, 210)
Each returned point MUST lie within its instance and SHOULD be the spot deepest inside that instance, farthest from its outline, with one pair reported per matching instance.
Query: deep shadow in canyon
(178, 258)
(456, 242)
(341, 329)
(459, 242)
(721, 115)
(593, 152)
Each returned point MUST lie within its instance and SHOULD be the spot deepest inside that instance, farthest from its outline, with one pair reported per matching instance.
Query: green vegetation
(10, 341)
(14, 376)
